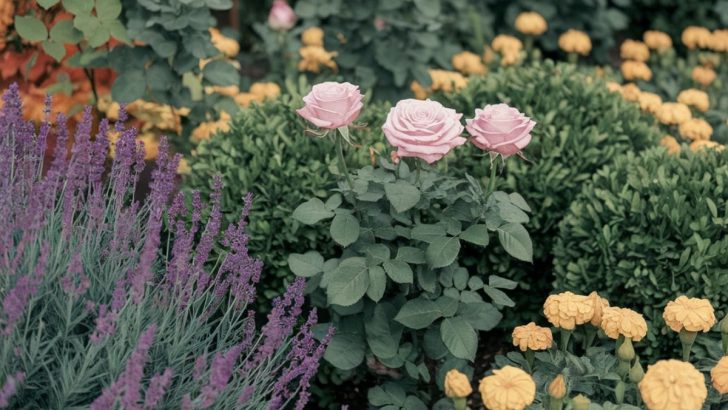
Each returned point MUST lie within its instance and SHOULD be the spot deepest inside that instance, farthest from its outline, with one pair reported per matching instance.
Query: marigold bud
(557, 387)
(580, 402)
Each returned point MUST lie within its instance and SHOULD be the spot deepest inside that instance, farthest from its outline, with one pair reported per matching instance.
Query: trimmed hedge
(647, 229)
(268, 152)
(580, 128)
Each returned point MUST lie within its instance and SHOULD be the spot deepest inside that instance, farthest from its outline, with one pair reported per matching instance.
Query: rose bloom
(696, 37)
(501, 129)
(531, 23)
(566, 310)
(636, 70)
(695, 129)
(657, 40)
(673, 385)
(694, 97)
(634, 50)
(575, 41)
(423, 129)
(703, 75)
(672, 113)
(313, 36)
(623, 322)
(671, 144)
(332, 105)
(690, 314)
(649, 102)
(281, 16)
(532, 337)
(508, 388)
(719, 375)
(457, 384)
(700, 145)
(468, 63)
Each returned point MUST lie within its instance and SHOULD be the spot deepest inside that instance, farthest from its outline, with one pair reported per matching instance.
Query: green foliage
(396, 292)
(267, 152)
(647, 229)
(580, 128)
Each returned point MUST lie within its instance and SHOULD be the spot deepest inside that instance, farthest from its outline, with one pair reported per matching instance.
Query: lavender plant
(102, 309)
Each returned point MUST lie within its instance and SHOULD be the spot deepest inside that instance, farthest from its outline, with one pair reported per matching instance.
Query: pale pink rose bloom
(281, 16)
(332, 105)
(423, 129)
(501, 129)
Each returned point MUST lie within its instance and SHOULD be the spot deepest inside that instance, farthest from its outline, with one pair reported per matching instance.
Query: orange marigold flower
(566, 310)
(695, 129)
(696, 37)
(671, 144)
(694, 97)
(623, 322)
(690, 314)
(657, 40)
(532, 337)
(703, 75)
(634, 50)
(457, 384)
(719, 375)
(508, 388)
(672, 113)
(467, 62)
(649, 102)
(635, 70)
(673, 384)
(531, 23)
(575, 41)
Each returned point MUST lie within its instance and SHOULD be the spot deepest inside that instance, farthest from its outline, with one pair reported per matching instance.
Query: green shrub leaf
(442, 251)
(221, 72)
(477, 234)
(311, 212)
(30, 28)
(515, 241)
(402, 195)
(418, 313)
(399, 271)
(349, 282)
(344, 229)
(459, 337)
(307, 264)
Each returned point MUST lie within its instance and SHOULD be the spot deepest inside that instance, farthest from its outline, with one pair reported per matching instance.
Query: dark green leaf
(344, 229)
(477, 234)
(402, 195)
(349, 282)
(459, 337)
(311, 212)
(515, 241)
(443, 251)
(377, 283)
(399, 271)
(418, 313)
(221, 72)
(307, 264)
(30, 28)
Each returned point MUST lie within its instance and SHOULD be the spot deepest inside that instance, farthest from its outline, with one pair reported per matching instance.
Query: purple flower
(220, 371)
(16, 300)
(10, 387)
(158, 386)
(75, 282)
(105, 325)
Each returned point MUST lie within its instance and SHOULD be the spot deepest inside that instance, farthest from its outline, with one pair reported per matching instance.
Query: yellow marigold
(649, 102)
(690, 314)
(566, 310)
(313, 36)
(657, 40)
(700, 145)
(7, 11)
(671, 144)
(245, 99)
(614, 87)
(635, 70)
(580, 402)
(488, 54)
(531, 23)
(696, 37)
(206, 130)
(508, 388)
(673, 385)
(719, 40)
(557, 387)
(457, 384)
(151, 145)
(468, 63)
(156, 116)
(719, 375)
(504, 43)
(703, 75)
(695, 129)
(599, 304)
(625, 322)
(419, 91)
(183, 167)
(630, 92)
(510, 58)
(532, 337)
(313, 57)
(229, 90)
(697, 98)
(672, 113)
(575, 41)
(634, 50)
(447, 81)
(265, 90)
(224, 44)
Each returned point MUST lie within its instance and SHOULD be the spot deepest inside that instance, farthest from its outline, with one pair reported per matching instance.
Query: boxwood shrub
(581, 127)
(647, 229)
(267, 152)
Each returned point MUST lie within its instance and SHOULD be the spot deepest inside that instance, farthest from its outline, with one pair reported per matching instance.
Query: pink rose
(332, 105)
(423, 129)
(281, 16)
(501, 129)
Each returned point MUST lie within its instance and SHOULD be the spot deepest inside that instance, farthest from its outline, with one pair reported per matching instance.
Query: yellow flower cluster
(671, 144)
(509, 48)
(672, 113)
(206, 130)
(634, 50)
(623, 322)
(719, 40)
(690, 314)
(649, 102)
(630, 92)
(705, 144)
(696, 37)
(226, 45)
(468, 63)
(673, 384)
(657, 40)
(719, 375)
(508, 388)
(315, 57)
(703, 75)
(636, 70)
(313, 37)
(532, 337)
(599, 305)
(695, 129)
(442, 80)
(531, 23)
(566, 310)
(694, 97)
(457, 384)
(575, 41)
(7, 11)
